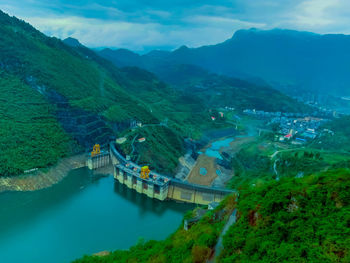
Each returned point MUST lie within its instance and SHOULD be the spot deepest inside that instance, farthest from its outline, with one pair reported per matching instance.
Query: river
(83, 214)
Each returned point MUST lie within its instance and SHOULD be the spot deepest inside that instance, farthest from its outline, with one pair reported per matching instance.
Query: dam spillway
(98, 161)
(154, 187)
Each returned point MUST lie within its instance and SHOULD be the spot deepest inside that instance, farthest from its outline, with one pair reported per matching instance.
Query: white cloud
(159, 13)
(98, 33)
(320, 16)
(138, 29)
(315, 12)
(186, 29)
(93, 33)
(219, 21)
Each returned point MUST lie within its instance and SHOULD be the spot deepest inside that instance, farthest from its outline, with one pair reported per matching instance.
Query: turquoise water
(213, 150)
(81, 215)
(223, 143)
(203, 171)
(213, 153)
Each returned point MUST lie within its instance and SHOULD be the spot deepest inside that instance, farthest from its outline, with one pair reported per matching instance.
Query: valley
(234, 151)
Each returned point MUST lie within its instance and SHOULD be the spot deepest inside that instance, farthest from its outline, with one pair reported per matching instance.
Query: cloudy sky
(141, 25)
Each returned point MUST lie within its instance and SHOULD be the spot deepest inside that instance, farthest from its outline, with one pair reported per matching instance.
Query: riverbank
(43, 179)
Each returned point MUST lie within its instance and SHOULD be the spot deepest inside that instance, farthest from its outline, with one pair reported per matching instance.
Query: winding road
(219, 246)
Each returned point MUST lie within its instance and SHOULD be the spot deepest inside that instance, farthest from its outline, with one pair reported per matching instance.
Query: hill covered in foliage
(336, 136)
(30, 135)
(294, 220)
(78, 99)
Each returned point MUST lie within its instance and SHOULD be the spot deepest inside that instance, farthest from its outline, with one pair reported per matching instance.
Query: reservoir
(214, 149)
(83, 214)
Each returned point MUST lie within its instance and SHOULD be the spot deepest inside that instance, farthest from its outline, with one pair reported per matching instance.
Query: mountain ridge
(89, 101)
(292, 61)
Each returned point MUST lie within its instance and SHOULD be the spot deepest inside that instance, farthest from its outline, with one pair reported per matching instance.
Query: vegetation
(264, 160)
(30, 136)
(339, 139)
(158, 139)
(44, 66)
(308, 161)
(293, 220)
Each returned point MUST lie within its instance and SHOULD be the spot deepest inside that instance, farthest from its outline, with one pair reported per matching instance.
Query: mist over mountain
(291, 61)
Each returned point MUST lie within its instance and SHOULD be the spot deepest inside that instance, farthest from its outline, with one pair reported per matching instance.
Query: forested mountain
(292, 61)
(82, 99)
(213, 89)
(57, 100)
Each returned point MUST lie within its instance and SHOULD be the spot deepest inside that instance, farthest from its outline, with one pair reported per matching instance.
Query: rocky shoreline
(43, 179)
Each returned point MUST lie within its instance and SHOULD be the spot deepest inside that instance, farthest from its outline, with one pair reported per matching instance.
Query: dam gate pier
(98, 161)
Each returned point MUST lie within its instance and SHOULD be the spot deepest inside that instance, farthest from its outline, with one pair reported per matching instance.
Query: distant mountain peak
(72, 42)
(270, 32)
(182, 48)
(158, 53)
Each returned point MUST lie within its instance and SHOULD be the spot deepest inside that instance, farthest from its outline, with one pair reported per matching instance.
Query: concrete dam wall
(98, 161)
(162, 187)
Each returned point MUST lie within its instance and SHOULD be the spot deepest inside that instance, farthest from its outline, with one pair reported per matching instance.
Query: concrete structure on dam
(154, 187)
(98, 161)
(198, 194)
(162, 187)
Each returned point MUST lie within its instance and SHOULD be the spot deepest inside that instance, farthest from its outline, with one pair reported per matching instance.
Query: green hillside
(30, 136)
(338, 138)
(294, 220)
(91, 99)
(47, 62)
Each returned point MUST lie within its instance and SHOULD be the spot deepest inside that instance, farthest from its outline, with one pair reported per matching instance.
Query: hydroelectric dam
(156, 186)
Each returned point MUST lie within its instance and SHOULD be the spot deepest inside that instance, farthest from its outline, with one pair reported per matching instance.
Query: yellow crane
(145, 172)
(96, 150)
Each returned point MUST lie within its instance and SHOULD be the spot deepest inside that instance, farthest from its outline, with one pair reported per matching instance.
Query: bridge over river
(160, 186)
